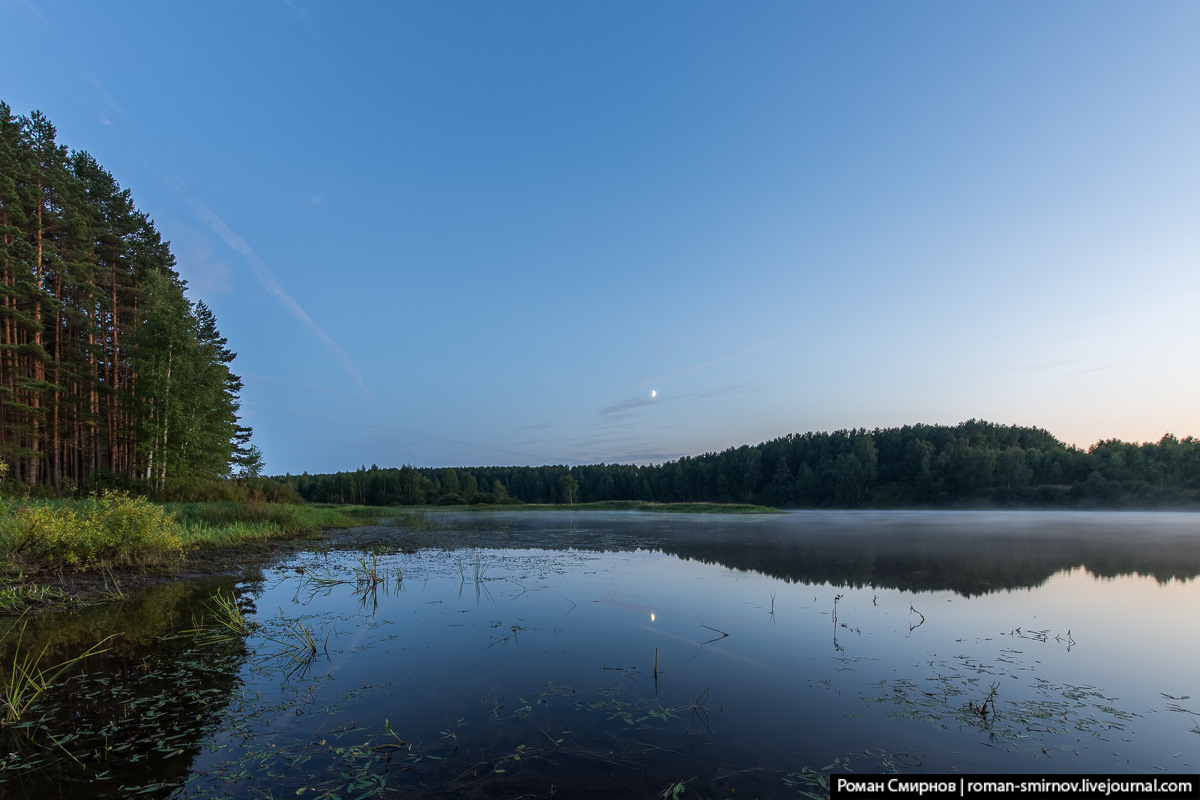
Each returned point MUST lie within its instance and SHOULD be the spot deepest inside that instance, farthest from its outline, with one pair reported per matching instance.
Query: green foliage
(975, 463)
(116, 531)
(112, 530)
(249, 490)
(20, 596)
(569, 487)
(231, 524)
(112, 377)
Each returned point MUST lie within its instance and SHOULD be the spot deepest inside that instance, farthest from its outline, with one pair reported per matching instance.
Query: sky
(496, 233)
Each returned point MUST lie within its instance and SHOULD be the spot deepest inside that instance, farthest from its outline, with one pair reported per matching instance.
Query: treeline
(973, 463)
(109, 375)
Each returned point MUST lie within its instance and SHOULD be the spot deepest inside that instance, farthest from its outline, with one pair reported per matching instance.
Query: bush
(238, 490)
(113, 530)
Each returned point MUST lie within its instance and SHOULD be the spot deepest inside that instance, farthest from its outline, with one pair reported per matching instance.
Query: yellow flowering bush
(113, 530)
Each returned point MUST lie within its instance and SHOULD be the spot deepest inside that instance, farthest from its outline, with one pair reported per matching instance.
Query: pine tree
(106, 368)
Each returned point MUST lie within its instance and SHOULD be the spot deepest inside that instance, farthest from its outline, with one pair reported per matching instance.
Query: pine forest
(969, 465)
(109, 375)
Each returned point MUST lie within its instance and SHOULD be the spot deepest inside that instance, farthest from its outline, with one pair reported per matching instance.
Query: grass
(296, 640)
(20, 595)
(24, 682)
(228, 615)
(233, 524)
(46, 544)
(114, 531)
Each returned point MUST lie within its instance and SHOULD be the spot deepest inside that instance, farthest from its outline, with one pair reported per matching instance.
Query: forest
(972, 464)
(109, 375)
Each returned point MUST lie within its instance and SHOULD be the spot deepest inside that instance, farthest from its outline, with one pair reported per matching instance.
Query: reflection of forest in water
(970, 553)
(133, 715)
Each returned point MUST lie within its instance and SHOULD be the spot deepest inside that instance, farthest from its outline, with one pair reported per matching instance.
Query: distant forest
(109, 375)
(975, 463)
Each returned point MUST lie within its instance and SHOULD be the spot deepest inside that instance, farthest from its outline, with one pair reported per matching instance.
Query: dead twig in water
(982, 708)
(912, 610)
(714, 630)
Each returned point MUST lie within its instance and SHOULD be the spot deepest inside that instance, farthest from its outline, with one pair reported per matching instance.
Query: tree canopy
(109, 374)
(973, 463)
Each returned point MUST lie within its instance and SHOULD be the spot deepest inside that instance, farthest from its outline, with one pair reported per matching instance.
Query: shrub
(112, 530)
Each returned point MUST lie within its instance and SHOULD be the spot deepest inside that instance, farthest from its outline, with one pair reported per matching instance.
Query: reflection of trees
(151, 696)
(971, 553)
(969, 566)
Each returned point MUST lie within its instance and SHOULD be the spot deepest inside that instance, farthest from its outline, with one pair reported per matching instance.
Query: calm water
(620, 654)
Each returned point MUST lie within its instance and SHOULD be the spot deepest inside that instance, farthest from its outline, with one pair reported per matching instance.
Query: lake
(625, 654)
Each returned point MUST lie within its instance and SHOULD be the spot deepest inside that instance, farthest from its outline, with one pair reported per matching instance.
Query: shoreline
(51, 589)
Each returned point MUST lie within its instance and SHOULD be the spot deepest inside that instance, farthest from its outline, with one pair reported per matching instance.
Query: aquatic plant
(297, 640)
(369, 573)
(25, 681)
(18, 596)
(981, 708)
(675, 790)
(228, 614)
(320, 577)
(714, 630)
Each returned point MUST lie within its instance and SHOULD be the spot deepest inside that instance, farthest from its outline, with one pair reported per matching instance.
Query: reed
(228, 614)
(25, 681)
(297, 640)
(369, 573)
(714, 630)
(982, 708)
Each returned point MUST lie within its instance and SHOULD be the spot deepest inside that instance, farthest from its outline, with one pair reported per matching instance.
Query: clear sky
(483, 233)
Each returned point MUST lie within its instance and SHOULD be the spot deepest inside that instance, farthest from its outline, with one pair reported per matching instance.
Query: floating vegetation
(1050, 711)
(116, 714)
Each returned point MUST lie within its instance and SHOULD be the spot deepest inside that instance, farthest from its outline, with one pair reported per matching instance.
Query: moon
(654, 393)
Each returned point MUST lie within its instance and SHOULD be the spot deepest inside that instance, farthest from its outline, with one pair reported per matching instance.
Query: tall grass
(117, 531)
(25, 680)
(218, 522)
(41, 541)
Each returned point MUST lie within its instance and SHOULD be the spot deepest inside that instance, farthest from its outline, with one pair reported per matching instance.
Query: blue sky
(452, 233)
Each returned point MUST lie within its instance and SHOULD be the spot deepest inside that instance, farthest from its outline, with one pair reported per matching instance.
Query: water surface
(625, 653)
